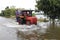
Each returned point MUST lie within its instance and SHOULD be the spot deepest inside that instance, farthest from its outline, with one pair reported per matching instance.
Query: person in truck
(19, 17)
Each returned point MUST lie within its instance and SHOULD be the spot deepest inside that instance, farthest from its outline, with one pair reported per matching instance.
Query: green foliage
(50, 7)
(8, 12)
(0, 14)
(12, 10)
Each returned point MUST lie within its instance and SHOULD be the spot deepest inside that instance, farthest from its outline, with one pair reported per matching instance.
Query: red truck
(27, 18)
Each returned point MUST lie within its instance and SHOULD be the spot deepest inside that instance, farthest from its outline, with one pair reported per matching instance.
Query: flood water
(10, 30)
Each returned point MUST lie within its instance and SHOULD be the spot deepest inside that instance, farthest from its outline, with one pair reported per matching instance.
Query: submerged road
(6, 32)
(8, 29)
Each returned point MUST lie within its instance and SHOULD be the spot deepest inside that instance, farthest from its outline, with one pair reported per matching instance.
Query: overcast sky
(27, 4)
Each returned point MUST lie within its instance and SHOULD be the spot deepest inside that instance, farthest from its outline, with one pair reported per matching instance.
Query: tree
(8, 12)
(50, 7)
(12, 9)
(2, 13)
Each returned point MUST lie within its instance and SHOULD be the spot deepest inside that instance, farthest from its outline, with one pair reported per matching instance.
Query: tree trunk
(50, 22)
(53, 23)
(59, 20)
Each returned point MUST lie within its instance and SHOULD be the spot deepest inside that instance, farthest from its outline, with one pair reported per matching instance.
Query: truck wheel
(28, 23)
(35, 23)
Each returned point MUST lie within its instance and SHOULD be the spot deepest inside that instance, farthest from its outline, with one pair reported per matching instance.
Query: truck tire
(35, 23)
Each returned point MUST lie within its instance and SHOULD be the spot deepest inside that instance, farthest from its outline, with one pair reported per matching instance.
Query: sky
(27, 4)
